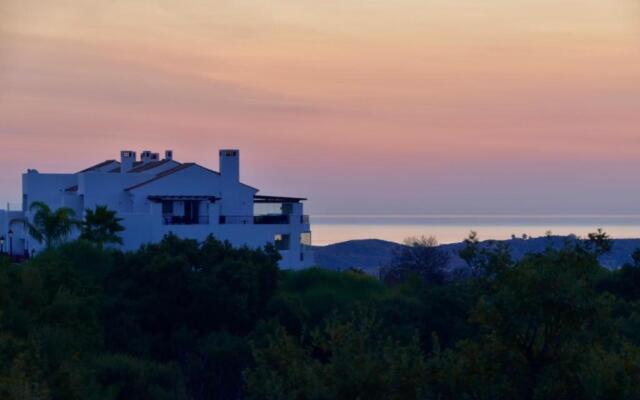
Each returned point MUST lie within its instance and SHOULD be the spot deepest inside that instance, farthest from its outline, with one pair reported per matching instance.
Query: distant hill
(366, 254)
(370, 254)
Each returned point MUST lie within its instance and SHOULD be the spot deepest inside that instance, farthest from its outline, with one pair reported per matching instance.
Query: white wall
(142, 229)
(237, 199)
(107, 189)
(142, 218)
(48, 188)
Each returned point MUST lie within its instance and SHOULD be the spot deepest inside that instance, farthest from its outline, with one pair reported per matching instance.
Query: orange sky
(419, 106)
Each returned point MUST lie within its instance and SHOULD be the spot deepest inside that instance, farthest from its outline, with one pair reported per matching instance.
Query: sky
(364, 107)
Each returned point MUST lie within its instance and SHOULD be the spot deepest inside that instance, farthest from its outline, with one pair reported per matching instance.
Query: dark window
(282, 242)
(192, 211)
(167, 207)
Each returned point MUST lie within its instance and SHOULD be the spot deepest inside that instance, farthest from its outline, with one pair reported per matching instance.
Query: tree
(540, 320)
(485, 260)
(101, 226)
(599, 243)
(348, 358)
(51, 227)
(419, 257)
(636, 258)
(190, 304)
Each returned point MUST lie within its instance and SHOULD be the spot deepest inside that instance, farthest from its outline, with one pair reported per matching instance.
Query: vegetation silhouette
(187, 320)
(101, 226)
(51, 227)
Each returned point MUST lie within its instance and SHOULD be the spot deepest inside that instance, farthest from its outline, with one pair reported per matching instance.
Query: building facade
(155, 196)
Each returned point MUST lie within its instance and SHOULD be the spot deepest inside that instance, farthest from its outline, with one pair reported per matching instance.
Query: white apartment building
(157, 196)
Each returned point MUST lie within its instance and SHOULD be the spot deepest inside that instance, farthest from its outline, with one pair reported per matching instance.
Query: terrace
(270, 210)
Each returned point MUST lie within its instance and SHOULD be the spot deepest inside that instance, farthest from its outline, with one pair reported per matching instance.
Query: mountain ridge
(370, 254)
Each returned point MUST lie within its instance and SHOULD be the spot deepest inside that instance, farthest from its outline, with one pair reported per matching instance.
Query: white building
(155, 197)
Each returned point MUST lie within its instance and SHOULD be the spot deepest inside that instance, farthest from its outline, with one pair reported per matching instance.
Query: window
(192, 211)
(282, 241)
(305, 238)
(167, 207)
(187, 212)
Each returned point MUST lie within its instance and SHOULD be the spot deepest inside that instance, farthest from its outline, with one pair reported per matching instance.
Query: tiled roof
(277, 199)
(183, 197)
(98, 166)
(148, 166)
(250, 187)
(135, 164)
(163, 174)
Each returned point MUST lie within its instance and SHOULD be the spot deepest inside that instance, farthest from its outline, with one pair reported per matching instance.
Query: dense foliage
(51, 227)
(101, 226)
(419, 257)
(188, 320)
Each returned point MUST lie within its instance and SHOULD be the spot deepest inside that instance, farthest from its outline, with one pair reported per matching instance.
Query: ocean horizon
(452, 228)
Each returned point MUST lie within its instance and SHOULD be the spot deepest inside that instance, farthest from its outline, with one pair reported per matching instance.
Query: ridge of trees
(183, 319)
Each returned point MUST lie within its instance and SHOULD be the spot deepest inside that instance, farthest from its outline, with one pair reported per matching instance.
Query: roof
(249, 186)
(150, 165)
(135, 164)
(183, 197)
(218, 173)
(162, 175)
(98, 166)
(277, 199)
(179, 168)
(210, 170)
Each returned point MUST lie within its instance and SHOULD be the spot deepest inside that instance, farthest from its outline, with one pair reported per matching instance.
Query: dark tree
(599, 243)
(419, 257)
(485, 260)
(101, 226)
(49, 226)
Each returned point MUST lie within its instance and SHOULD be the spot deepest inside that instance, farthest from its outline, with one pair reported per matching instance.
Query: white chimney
(230, 165)
(147, 157)
(168, 154)
(127, 159)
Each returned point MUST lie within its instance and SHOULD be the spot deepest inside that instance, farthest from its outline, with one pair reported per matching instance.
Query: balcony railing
(185, 220)
(276, 219)
(267, 219)
(235, 219)
(280, 219)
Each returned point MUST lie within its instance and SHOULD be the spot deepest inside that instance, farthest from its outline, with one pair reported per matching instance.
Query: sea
(329, 229)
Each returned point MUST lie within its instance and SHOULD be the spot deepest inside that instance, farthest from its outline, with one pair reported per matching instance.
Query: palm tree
(101, 226)
(50, 226)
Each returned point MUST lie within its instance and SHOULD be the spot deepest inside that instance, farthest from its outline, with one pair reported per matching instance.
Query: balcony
(271, 219)
(185, 220)
(266, 219)
(235, 219)
(276, 219)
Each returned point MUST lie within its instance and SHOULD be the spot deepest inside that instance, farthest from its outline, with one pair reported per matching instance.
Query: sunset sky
(364, 106)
